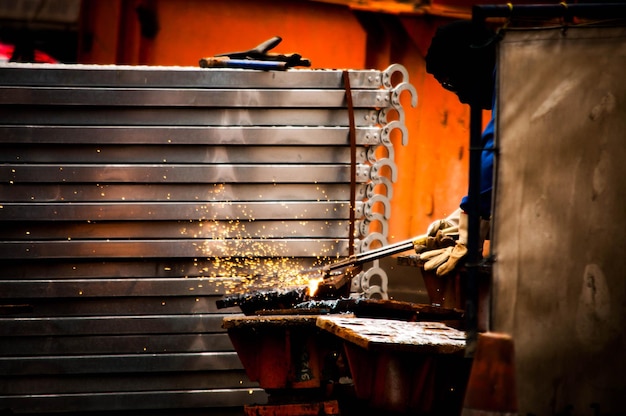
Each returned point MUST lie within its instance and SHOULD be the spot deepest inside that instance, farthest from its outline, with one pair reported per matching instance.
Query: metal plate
(101, 325)
(206, 135)
(181, 229)
(209, 174)
(190, 211)
(120, 363)
(201, 192)
(134, 197)
(17, 154)
(155, 249)
(113, 116)
(188, 77)
(150, 97)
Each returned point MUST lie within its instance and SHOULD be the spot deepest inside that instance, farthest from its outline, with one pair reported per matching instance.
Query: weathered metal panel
(133, 198)
(112, 116)
(183, 155)
(32, 192)
(136, 400)
(558, 237)
(205, 135)
(80, 383)
(172, 230)
(15, 345)
(192, 97)
(153, 173)
(187, 77)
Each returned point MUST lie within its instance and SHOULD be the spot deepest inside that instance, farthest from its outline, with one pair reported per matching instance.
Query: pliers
(256, 58)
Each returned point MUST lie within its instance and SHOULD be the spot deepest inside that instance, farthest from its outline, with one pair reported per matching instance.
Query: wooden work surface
(391, 335)
(259, 321)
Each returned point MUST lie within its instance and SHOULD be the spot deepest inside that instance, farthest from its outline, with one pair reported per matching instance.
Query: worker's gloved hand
(440, 240)
(438, 225)
(451, 220)
(445, 260)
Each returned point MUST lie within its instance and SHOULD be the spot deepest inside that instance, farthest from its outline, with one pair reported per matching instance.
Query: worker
(462, 58)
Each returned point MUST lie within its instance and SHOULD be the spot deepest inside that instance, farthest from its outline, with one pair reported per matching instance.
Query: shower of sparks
(243, 256)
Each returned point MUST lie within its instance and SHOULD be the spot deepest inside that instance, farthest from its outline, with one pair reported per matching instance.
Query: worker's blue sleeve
(486, 174)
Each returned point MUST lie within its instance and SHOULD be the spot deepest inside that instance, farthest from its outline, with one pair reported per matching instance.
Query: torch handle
(378, 253)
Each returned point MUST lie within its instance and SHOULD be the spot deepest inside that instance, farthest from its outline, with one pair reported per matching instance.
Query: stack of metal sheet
(131, 197)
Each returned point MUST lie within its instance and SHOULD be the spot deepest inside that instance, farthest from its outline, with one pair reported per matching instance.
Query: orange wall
(191, 29)
(432, 167)
(433, 174)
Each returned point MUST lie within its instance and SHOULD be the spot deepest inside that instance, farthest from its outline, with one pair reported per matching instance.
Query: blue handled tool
(225, 62)
(256, 58)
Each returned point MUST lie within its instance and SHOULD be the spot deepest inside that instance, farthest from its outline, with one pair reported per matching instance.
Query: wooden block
(390, 335)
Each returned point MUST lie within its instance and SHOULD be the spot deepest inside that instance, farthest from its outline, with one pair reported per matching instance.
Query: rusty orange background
(433, 166)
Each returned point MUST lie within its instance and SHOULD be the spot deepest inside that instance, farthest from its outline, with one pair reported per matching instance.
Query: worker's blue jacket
(486, 167)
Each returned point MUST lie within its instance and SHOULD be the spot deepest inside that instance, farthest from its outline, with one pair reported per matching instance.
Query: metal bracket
(371, 152)
(404, 86)
(385, 134)
(364, 226)
(366, 243)
(376, 167)
(363, 282)
(383, 115)
(363, 172)
(368, 136)
(389, 73)
(379, 180)
(377, 199)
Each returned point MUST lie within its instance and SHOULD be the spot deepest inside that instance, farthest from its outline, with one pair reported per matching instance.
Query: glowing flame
(314, 284)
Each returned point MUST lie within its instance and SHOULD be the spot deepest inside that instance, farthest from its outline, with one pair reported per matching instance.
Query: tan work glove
(432, 243)
(445, 260)
(451, 220)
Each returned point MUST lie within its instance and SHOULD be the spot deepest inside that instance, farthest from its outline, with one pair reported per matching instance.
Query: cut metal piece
(151, 249)
(20, 154)
(119, 363)
(188, 77)
(203, 135)
(235, 98)
(176, 229)
(90, 288)
(164, 173)
(167, 192)
(207, 211)
(197, 116)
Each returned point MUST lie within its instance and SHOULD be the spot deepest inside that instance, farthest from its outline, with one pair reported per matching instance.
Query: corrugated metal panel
(133, 198)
